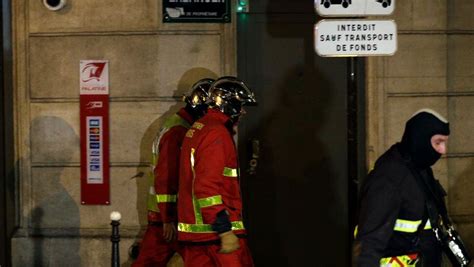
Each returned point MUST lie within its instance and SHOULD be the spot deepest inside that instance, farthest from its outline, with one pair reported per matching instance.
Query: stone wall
(151, 64)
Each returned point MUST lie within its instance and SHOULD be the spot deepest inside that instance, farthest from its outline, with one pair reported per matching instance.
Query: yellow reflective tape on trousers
(165, 198)
(229, 172)
(399, 261)
(210, 201)
(206, 228)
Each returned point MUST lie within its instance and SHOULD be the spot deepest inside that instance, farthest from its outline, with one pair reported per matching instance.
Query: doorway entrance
(293, 145)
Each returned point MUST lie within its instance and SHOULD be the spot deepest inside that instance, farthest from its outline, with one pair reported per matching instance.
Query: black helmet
(229, 94)
(199, 92)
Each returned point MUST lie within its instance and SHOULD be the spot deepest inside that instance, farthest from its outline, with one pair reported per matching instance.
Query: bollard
(115, 238)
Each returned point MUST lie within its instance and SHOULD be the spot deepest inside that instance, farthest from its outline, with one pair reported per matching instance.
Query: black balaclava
(416, 140)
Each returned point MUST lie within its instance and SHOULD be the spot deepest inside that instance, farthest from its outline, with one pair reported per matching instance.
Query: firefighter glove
(229, 242)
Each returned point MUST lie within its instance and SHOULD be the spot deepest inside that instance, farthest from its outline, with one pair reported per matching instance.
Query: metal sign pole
(352, 133)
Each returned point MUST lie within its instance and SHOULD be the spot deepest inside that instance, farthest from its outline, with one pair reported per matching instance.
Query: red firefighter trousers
(209, 256)
(154, 250)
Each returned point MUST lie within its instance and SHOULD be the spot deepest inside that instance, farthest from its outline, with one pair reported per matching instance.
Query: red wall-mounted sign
(94, 120)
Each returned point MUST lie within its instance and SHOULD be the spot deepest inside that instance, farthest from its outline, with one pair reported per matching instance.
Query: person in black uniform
(393, 227)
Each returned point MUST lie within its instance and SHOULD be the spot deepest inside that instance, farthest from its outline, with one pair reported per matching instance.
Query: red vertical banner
(94, 120)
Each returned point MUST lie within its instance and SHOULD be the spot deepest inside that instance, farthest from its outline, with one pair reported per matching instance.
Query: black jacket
(391, 193)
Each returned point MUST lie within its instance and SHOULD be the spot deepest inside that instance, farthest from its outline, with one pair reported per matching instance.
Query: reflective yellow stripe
(229, 172)
(151, 191)
(399, 261)
(237, 225)
(427, 225)
(406, 226)
(195, 228)
(152, 198)
(197, 209)
(165, 198)
(169, 123)
(206, 228)
(210, 201)
(198, 125)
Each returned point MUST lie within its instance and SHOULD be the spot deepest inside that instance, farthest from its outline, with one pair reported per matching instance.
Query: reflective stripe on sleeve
(165, 198)
(229, 172)
(206, 228)
(406, 226)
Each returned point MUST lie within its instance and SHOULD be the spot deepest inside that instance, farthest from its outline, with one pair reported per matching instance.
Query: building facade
(151, 65)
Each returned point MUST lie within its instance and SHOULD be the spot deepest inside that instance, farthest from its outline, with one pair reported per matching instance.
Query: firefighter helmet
(197, 100)
(229, 94)
(199, 93)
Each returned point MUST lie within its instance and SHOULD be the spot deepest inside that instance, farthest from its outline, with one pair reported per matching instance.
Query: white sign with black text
(354, 7)
(351, 38)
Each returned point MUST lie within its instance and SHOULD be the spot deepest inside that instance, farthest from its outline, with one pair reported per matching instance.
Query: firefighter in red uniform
(159, 243)
(210, 223)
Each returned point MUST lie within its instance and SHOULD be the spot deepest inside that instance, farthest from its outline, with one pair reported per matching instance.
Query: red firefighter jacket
(166, 171)
(208, 179)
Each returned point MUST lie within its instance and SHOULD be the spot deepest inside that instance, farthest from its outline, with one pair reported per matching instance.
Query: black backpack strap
(432, 211)
(424, 220)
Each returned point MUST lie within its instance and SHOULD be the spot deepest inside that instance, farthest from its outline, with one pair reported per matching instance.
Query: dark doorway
(6, 138)
(296, 193)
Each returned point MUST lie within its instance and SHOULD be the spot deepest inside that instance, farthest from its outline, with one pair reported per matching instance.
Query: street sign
(347, 8)
(214, 11)
(352, 38)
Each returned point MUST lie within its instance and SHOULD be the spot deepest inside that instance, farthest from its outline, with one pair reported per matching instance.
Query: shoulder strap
(434, 203)
(424, 219)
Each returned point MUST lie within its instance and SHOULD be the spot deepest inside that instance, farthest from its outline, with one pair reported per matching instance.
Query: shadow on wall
(54, 140)
(142, 178)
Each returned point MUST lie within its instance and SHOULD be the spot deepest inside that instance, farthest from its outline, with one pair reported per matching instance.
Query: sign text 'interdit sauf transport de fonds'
(351, 38)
